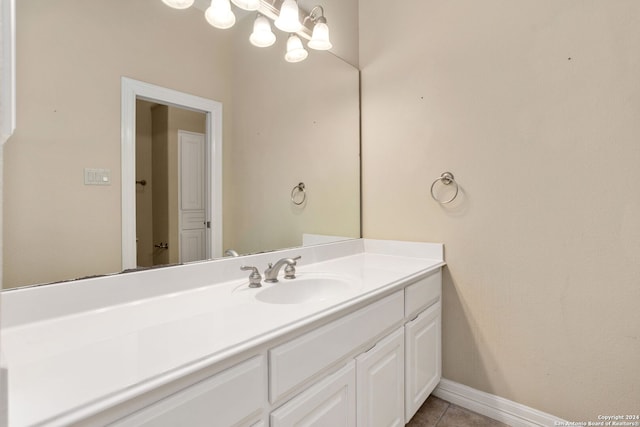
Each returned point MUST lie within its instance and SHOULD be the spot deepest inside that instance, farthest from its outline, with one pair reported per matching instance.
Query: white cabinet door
(330, 402)
(380, 383)
(423, 358)
(234, 397)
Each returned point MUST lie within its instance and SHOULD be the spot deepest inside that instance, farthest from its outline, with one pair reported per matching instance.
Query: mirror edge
(7, 70)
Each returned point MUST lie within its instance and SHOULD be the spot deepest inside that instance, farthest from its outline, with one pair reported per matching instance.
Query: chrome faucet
(231, 252)
(271, 273)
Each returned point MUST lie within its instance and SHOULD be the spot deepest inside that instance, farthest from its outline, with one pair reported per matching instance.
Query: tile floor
(440, 413)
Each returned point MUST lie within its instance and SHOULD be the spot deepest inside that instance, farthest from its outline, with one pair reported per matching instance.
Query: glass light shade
(179, 4)
(262, 36)
(289, 20)
(295, 51)
(219, 14)
(320, 37)
(247, 4)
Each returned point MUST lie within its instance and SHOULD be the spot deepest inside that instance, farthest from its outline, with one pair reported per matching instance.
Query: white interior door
(192, 196)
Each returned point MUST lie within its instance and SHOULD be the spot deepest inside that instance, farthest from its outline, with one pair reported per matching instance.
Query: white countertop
(81, 363)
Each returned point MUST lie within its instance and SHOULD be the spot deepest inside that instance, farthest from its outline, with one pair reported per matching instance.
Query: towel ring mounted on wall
(445, 178)
(298, 189)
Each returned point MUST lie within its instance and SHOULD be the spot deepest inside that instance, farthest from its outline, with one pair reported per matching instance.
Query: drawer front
(422, 294)
(225, 399)
(296, 361)
(330, 402)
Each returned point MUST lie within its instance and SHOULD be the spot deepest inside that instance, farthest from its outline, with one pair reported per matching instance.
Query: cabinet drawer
(330, 402)
(298, 360)
(225, 399)
(422, 294)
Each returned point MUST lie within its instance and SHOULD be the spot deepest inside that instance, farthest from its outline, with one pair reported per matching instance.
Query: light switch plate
(97, 176)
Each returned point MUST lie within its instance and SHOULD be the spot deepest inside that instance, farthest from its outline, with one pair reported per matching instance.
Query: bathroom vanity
(354, 339)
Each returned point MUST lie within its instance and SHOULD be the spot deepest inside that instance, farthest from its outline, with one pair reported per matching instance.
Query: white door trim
(132, 90)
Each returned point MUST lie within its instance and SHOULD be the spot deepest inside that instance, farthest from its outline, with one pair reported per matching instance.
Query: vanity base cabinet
(330, 402)
(423, 364)
(234, 397)
(380, 383)
(321, 377)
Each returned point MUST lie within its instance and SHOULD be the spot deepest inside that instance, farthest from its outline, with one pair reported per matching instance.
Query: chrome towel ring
(296, 190)
(445, 178)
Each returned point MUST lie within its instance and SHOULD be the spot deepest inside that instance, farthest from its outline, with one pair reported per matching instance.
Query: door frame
(133, 90)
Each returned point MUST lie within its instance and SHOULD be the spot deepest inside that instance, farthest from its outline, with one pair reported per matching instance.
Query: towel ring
(298, 189)
(446, 178)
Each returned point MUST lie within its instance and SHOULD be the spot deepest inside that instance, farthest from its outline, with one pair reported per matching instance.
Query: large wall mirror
(281, 124)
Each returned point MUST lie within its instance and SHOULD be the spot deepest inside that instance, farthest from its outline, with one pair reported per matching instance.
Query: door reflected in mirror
(169, 210)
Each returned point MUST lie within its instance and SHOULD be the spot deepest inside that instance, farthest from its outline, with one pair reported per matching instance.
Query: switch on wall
(97, 176)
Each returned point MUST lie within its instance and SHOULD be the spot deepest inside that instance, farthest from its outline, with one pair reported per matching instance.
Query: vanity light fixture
(179, 4)
(295, 51)
(247, 4)
(219, 14)
(286, 17)
(262, 36)
(289, 19)
(320, 36)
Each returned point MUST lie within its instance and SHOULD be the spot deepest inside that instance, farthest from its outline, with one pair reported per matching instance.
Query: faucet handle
(290, 269)
(255, 278)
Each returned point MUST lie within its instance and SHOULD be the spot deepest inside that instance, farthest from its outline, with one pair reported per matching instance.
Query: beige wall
(144, 193)
(160, 190)
(311, 139)
(68, 92)
(534, 106)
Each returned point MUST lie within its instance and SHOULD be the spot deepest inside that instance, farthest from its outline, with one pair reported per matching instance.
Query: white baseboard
(492, 406)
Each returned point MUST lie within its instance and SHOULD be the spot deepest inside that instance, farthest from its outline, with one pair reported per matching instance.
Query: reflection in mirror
(170, 140)
(282, 124)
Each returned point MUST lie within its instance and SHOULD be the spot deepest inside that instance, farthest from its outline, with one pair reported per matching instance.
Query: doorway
(193, 231)
(171, 199)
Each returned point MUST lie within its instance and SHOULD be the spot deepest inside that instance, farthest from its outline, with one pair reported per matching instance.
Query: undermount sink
(305, 288)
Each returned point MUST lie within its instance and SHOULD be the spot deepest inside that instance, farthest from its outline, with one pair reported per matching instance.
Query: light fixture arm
(314, 17)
